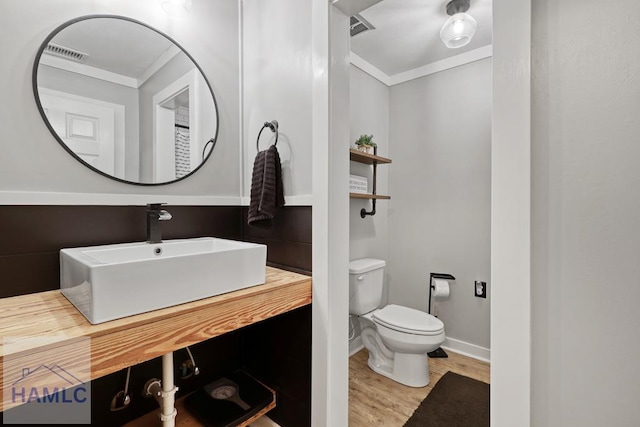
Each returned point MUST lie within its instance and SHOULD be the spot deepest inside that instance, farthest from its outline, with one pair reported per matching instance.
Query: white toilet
(398, 338)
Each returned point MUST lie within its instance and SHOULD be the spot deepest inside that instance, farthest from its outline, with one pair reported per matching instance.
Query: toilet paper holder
(444, 276)
(439, 352)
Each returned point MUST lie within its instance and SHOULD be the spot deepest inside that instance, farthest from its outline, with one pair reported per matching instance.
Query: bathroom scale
(228, 401)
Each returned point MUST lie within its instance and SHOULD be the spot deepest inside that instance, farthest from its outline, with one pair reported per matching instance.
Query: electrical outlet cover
(480, 289)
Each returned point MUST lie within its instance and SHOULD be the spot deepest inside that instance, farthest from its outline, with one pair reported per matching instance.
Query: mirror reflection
(125, 100)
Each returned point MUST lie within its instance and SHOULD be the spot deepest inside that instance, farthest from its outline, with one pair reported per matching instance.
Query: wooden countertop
(125, 342)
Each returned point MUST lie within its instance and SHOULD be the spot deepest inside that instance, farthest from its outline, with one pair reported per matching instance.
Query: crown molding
(425, 70)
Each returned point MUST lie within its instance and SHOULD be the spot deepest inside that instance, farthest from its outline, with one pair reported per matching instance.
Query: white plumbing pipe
(168, 411)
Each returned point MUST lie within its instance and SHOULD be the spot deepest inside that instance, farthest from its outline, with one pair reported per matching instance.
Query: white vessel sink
(113, 281)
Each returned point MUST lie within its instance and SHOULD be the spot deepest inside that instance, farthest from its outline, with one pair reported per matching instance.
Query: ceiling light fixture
(460, 27)
(176, 7)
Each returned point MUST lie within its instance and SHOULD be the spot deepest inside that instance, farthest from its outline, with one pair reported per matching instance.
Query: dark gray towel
(266, 188)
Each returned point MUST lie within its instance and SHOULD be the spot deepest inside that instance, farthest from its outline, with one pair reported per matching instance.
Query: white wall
(369, 114)
(440, 187)
(511, 214)
(586, 213)
(277, 85)
(330, 131)
(32, 160)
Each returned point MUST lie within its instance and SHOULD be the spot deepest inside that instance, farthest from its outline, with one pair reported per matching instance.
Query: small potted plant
(365, 143)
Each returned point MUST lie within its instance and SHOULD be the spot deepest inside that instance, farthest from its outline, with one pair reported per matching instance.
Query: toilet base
(409, 369)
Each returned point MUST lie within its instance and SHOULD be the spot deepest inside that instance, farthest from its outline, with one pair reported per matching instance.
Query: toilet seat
(407, 320)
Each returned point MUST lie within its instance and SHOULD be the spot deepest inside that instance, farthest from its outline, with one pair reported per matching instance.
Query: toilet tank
(366, 277)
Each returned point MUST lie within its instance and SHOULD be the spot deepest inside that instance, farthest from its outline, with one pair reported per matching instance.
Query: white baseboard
(355, 345)
(467, 349)
(450, 344)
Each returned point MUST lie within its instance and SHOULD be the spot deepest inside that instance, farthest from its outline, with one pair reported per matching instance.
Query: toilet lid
(405, 319)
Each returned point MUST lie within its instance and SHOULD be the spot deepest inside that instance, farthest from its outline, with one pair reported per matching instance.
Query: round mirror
(125, 100)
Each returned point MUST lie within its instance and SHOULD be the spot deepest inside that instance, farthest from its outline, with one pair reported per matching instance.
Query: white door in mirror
(88, 127)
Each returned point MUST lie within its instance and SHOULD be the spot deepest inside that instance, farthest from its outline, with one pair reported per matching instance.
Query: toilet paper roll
(441, 289)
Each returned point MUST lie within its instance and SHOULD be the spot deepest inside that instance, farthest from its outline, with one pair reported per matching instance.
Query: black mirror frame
(61, 142)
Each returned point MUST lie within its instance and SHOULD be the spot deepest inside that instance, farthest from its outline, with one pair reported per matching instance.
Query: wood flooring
(375, 400)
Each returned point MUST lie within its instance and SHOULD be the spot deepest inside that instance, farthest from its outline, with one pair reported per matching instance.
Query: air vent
(65, 52)
(360, 25)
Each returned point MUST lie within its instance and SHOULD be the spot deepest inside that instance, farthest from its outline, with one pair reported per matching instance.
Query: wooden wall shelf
(373, 160)
(368, 196)
(125, 342)
(368, 159)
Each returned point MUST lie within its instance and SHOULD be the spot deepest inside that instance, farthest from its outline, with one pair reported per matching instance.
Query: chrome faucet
(155, 214)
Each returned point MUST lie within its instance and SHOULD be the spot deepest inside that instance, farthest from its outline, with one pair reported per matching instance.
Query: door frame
(162, 121)
(510, 223)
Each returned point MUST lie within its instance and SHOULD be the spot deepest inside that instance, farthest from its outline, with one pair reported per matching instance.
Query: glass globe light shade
(176, 7)
(458, 30)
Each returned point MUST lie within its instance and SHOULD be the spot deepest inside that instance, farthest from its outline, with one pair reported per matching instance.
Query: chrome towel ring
(273, 125)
